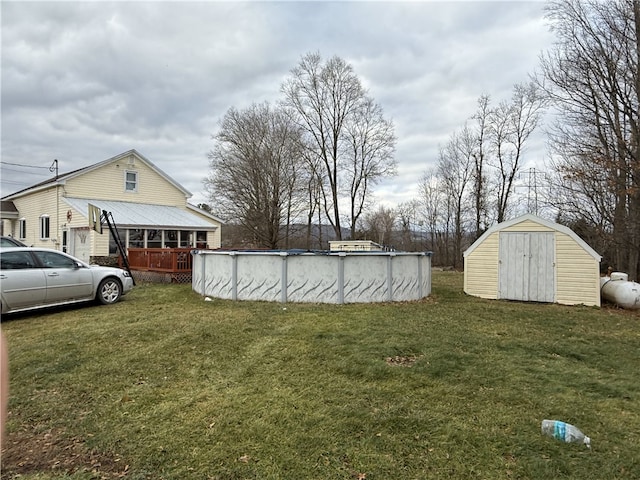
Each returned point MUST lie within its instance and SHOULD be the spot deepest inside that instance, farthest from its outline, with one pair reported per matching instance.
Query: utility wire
(5, 169)
(23, 165)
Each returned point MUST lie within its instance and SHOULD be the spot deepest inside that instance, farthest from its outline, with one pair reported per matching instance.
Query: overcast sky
(85, 81)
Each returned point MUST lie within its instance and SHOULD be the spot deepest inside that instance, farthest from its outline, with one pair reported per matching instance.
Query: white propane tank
(617, 289)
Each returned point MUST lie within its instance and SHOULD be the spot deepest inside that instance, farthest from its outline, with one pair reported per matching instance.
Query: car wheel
(109, 291)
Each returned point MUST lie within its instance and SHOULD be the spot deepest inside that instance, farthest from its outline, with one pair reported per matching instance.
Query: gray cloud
(84, 81)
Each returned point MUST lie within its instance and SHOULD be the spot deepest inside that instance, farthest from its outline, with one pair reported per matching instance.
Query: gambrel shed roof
(533, 218)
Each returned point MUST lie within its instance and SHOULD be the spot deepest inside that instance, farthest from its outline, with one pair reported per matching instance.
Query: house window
(201, 240)
(130, 181)
(185, 237)
(44, 227)
(136, 238)
(171, 238)
(113, 245)
(154, 239)
(22, 229)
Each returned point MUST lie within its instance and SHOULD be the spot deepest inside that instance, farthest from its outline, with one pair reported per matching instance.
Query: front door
(527, 266)
(82, 244)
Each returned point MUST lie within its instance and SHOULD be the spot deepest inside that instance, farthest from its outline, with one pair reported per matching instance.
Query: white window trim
(22, 228)
(44, 218)
(135, 189)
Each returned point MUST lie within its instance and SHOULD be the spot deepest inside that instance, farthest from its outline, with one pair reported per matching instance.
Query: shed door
(526, 266)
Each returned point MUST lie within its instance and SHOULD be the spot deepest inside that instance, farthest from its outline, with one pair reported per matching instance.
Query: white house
(148, 207)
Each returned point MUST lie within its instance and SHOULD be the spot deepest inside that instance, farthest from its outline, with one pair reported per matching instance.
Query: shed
(532, 259)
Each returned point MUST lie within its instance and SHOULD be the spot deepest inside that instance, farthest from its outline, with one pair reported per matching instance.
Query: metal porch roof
(141, 215)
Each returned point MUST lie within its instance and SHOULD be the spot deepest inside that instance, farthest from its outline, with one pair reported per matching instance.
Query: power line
(5, 169)
(23, 165)
(533, 187)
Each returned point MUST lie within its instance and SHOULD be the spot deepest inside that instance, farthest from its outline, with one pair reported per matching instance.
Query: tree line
(311, 158)
(322, 149)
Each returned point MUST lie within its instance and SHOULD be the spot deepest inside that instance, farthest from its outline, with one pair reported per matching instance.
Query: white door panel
(527, 266)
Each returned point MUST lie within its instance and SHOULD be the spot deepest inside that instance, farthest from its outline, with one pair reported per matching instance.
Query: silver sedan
(38, 277)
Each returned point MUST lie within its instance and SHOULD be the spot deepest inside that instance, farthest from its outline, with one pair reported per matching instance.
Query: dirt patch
(29, 452)
(403, 360)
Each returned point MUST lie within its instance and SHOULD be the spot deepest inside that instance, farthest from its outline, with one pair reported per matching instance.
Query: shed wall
(577, 274)
(481, 269)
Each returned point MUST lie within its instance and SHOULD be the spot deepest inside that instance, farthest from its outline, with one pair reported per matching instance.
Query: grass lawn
(165, 385)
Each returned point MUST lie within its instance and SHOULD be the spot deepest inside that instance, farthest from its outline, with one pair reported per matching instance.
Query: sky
(85, 81)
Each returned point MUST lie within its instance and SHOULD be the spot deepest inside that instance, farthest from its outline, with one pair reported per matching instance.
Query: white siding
(31, 207)
(108, 183)
(578, 274)
(481, 269)
(104, 182)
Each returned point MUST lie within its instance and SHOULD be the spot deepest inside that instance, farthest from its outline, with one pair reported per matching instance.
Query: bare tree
(592, 78)
(480, 190)
(379, 224)
(314, 196)
(512, 123)
(257, 176)
(431, 198)
(369, 148)
(344, 131)
(455, 167)
(411, 232)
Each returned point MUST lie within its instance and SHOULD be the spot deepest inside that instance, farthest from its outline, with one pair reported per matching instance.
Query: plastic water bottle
(564, 432)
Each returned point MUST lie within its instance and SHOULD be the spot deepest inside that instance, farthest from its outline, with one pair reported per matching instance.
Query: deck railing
(169, 260)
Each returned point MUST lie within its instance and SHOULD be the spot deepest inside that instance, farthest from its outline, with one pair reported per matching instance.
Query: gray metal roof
(141, 215)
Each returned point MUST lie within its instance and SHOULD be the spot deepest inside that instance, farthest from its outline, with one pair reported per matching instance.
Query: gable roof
(8, 210)
(535, 219)
(61, 179)
(205, 213)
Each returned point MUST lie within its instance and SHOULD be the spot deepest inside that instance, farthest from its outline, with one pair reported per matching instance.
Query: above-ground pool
(316, 277)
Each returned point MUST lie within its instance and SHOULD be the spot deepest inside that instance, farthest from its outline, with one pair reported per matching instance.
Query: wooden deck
(163, 260)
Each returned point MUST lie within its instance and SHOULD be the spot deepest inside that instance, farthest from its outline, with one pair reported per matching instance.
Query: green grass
(164, 385)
